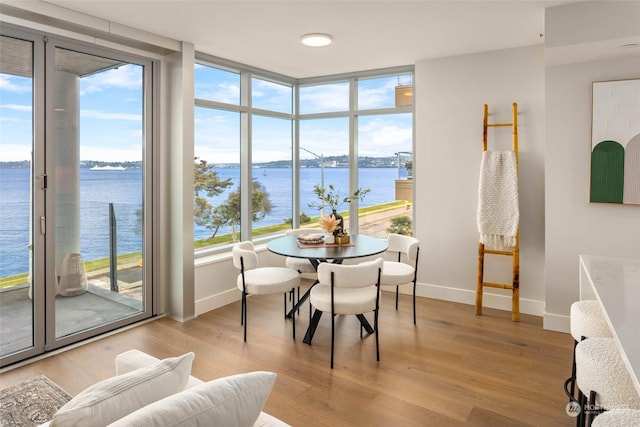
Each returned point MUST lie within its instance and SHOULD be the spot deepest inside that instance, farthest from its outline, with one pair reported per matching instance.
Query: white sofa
(152, 392)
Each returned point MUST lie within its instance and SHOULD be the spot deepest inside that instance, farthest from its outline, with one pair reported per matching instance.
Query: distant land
(329, 162)
(24, 164)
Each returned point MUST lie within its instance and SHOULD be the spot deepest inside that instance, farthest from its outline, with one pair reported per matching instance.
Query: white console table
(615, 283)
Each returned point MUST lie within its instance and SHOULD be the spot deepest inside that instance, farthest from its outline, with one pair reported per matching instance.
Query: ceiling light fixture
(316, 40)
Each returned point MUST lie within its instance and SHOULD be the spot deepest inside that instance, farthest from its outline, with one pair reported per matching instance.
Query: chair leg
(333, 321)
(397, 292)
(573, 369)
(243, 301)
(293, 313)
(375, 326)
(581, 416)
(244, 314)
(594, 410)
(414, 303)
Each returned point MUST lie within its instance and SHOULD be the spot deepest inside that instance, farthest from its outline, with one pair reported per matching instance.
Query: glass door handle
(43, 225)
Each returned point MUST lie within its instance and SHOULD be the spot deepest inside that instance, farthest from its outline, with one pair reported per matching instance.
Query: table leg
(301, 301)
(313, 324)
(365, 324)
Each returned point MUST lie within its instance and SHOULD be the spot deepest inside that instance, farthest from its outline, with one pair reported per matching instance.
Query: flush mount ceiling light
(316, 40)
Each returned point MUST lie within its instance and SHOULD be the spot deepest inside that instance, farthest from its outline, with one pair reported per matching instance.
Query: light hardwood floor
(454, 368)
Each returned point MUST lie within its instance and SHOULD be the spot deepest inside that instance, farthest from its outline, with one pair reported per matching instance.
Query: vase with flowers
(329, 224)
(332, 198)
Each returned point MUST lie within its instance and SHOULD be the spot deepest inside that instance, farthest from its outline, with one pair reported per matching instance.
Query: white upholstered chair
(404, 269)
(348, 289)
(254, 280)
(302, 265)
(603, 381)
(586, 320)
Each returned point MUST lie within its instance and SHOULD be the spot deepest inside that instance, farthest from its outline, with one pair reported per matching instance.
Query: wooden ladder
(515, 251)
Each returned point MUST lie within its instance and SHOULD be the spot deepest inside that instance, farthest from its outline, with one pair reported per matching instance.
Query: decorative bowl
(311, 238)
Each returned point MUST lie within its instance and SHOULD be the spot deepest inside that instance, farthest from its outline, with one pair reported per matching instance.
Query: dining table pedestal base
(313, 325)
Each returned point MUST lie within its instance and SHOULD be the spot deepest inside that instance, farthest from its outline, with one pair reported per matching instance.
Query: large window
(324, 160)
(217, 175)
(243, 156)
(272, 173)
(353, 132)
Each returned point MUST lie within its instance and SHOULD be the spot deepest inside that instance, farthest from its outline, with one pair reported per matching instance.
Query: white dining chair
(302, 265)
(254, 280)
(404, 269)
(348, 289)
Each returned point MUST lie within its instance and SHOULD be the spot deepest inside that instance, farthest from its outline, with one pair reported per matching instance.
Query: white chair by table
(586, 320)
(348, 289)
(302, 265)
(405, 268)
(254, 280)
(603, 381)
(618, 418)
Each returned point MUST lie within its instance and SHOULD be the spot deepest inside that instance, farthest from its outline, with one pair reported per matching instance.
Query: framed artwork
(615, 142)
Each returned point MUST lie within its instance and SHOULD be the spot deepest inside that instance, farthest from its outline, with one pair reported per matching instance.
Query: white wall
(450, 93)
(583, 44)
(575, 226)
(215, 278)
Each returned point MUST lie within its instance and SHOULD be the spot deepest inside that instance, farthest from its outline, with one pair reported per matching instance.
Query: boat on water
(108, 168)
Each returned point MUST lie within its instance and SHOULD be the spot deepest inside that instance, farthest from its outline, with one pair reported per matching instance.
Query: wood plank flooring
(454, 368)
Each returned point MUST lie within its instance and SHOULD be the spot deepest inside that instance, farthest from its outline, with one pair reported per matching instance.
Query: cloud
(272, 96)
(15, 84)
(323, 98)
(101, 115)
(106, 154)
(378, 96)
(222, 92)
(381, 136)
(15, 152)
(125, 77)
(16, 107)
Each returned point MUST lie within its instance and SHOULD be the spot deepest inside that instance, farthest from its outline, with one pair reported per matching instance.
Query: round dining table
(359, 247)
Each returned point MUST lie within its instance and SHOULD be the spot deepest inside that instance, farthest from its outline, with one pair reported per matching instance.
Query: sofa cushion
(131, 360)
(115, 397)
(230, 401)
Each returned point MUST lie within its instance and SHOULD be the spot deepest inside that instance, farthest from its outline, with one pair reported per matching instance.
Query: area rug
(31, 402)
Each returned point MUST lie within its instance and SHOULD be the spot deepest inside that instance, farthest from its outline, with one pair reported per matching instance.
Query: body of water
(124, 190)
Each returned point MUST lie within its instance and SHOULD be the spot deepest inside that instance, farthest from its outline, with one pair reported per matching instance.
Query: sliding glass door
(77, 191)
(20, 306)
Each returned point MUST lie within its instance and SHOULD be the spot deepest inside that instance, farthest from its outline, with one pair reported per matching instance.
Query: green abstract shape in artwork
(607, 172)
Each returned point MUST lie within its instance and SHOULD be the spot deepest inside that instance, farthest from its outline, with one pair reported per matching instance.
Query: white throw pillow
(115, 397)
(234, 401)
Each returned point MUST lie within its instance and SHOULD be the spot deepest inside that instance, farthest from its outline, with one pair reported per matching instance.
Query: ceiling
(367, 34)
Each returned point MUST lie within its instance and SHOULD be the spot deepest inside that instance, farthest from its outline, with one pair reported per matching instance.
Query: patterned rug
(31, 403)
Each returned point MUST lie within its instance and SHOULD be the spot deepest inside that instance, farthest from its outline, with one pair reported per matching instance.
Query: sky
(111, 113)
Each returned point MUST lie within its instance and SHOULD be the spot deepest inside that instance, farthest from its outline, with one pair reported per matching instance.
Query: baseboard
(216, 301)
(465, 296)
(556, 322)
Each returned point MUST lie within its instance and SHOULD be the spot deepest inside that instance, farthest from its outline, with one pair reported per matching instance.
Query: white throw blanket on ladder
(498, 210)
